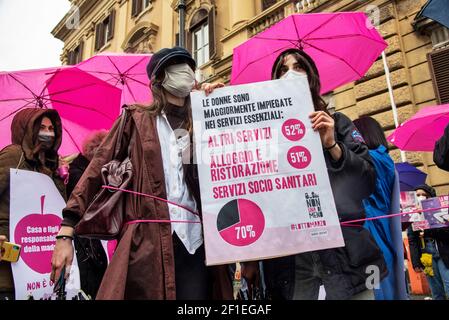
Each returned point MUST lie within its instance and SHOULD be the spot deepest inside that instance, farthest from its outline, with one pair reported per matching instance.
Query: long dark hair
(371, 132)
(306, 63)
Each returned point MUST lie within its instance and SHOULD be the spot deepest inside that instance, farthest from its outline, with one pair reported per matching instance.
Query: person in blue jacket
(383, 201)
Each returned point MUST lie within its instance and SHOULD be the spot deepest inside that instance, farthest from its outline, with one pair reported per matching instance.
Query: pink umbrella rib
(28, 100)
(346, 36)
(306, 41)
(112, 62)
(113, 73)
(15, 111)
(135, 80)
(71, 138)
(127, 70)
(255, 61)
(337, 57)
(53, 93)
(130, 91)
(296, 29)
(321, 25)
(79, 106)
(23, 85)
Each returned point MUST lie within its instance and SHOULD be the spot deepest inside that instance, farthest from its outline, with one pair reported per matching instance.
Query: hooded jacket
(23, 154)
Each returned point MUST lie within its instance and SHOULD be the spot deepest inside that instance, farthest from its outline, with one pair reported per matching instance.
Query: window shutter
(134, 8)
(80, 52)
(111, 24)
(189, 41)
(102, 34)
(212, 36)
(70, 57)
(439, 61)
(97, 36)
(139, 6)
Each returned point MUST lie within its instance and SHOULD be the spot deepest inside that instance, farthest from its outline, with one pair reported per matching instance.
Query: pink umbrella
(343, 45)
(421, 131)
(124, 71)
(85, 103)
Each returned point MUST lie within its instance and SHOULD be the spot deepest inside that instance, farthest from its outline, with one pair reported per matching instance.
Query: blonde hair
(92, 143)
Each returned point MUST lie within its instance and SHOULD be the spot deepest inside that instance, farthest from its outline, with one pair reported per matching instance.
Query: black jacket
(440, 235)
(352, 179)
(441, 151)
(92, 260)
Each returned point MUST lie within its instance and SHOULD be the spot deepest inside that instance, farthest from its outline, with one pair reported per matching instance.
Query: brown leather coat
(143, 263)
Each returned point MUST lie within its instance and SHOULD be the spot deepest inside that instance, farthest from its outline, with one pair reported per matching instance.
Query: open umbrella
(409, 176)
(437, 10)
(85, 103)
(343, 45)
(421, 131)
(124, 71)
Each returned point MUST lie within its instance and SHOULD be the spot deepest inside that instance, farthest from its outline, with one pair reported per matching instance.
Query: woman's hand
(325, 125)
(2, 239)
(62, 254)
(208, 88)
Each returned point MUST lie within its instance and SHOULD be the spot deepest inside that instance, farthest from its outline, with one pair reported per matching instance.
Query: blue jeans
(439, 283)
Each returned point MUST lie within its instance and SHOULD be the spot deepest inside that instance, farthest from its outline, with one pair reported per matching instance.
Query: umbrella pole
(393, 104)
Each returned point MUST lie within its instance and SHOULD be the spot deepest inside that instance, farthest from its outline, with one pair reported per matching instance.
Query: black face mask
(46, 140)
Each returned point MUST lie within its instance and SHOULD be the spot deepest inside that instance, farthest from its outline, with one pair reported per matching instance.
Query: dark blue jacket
(387, 232)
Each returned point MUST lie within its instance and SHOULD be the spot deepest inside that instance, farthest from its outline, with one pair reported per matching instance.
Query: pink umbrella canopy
(124, 71)
(343, 45)
(421, 131)
(85, 103)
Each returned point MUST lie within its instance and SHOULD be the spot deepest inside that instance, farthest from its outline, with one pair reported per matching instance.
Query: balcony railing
(266, 19)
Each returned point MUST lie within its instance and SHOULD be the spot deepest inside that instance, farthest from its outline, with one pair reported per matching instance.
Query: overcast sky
(26, 41)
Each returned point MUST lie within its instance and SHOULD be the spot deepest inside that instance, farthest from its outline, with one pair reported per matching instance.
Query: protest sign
(35, 218)
(264, 184)
(432, 219)
(409, 203)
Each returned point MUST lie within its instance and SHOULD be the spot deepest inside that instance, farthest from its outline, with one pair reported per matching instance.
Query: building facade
(417, 55)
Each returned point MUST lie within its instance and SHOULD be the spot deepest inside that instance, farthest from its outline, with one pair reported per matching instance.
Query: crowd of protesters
(167, 261)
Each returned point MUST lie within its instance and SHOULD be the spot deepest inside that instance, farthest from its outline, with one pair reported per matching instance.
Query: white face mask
(179, 80)
(421, 198)
(292, 74)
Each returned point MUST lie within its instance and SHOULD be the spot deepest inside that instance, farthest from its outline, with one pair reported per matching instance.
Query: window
(201, 36)
(200, 41)
(104, 31)
(267, 3)
(438, 60)
(76, 55)
(138, 6)
(439, 37)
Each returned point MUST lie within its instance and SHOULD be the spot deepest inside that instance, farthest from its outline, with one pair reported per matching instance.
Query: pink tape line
(393, 215)
(157, 198)
(195, 213)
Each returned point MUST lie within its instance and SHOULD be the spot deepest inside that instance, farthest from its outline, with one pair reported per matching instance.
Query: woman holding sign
(353, 271)
(160, 252)
(36, 136)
